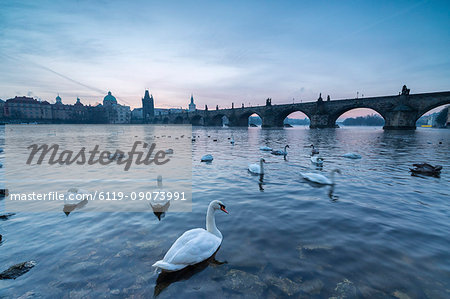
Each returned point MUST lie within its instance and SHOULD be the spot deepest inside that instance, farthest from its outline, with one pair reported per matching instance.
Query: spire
(147, 95)
(192, 98)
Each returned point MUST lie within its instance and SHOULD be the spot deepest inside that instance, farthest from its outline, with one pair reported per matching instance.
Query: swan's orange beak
(223, 209)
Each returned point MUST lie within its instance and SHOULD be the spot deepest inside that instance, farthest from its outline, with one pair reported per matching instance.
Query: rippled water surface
(379, 232)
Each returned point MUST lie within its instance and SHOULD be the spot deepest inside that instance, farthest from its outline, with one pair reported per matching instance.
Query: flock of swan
(197, 245)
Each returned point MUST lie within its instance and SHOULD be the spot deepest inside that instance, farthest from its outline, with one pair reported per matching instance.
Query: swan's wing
(315, 177)
(192, 247)
(254, 168)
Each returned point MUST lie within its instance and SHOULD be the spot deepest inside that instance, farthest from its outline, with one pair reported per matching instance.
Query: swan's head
(287, 146)
(218, 205)
(337, 171)
(262, 160)
(312, 145)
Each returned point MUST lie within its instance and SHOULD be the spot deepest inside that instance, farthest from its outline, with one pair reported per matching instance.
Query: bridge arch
(438, 109)
(197, 120)
(280, 119)
(428, 108)
(242, 120)
(334, 117)
(165, 120)
(178, 120)
(217, 120)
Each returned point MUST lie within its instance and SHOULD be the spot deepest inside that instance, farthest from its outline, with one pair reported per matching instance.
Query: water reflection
(165, 279)
(75, 194)
(69, 208)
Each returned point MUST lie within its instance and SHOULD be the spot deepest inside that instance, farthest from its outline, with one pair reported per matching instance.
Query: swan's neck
(211, 223)
(285, 149)
(261, 166)
(332, 177)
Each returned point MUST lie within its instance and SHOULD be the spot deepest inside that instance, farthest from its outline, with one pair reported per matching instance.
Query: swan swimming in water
(257, 168)
(280, 152)
(316, 160)
(314, 151)
(195, 245)
(265, 148)
(319, 178)
(352, 156)
(159, 206)
(207, 158)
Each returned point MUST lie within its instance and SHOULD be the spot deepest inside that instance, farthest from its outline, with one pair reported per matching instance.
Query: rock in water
(344, 290)
(6, 216)
(17, 270)
(4, 192)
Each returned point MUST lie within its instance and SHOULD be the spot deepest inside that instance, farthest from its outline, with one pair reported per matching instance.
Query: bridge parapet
(399, 112)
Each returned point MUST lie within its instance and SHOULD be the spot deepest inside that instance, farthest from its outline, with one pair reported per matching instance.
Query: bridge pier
(321, 121)
(401, 119)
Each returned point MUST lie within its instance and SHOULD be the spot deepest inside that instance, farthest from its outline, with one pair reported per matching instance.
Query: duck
(169, 151)
(320, 178)
(265, 148)
(232, 140)
(195, 245)
(280, 152)
(316, 160)
(257, 168)
(313, 150)
(207, 158)
(352, 156)
(426, 169)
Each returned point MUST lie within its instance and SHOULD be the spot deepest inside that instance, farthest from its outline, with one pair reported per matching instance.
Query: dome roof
(109, 99)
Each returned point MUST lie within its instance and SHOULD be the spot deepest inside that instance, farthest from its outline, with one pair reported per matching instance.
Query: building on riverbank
(27, 109)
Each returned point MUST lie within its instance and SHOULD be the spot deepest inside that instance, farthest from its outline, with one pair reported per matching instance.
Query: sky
(222, 51)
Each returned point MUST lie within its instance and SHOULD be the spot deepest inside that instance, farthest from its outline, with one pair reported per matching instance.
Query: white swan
(257, 168)
(265, 148)
(319, 178)
(280, 152)
(314, 151)
(316, 160)
(207, 158)
(352, 156)
(159, 205)
(195, 245)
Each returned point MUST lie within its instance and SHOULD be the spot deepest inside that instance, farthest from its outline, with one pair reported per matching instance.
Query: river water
(380, 232)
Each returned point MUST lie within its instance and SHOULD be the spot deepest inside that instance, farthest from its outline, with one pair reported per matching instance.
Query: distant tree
(369, 120)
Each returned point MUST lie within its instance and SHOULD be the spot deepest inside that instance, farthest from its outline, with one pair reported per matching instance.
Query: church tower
(192, 105)
(148, 107)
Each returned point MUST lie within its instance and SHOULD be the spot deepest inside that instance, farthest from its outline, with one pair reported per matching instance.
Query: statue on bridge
(242, 105)
(232, 105)
(328, 98)
(269, 102)
(217, 107)
(206, 107)
(320, 98)
(405, 90)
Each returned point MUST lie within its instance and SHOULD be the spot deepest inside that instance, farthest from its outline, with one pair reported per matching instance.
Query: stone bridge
(399, 111)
